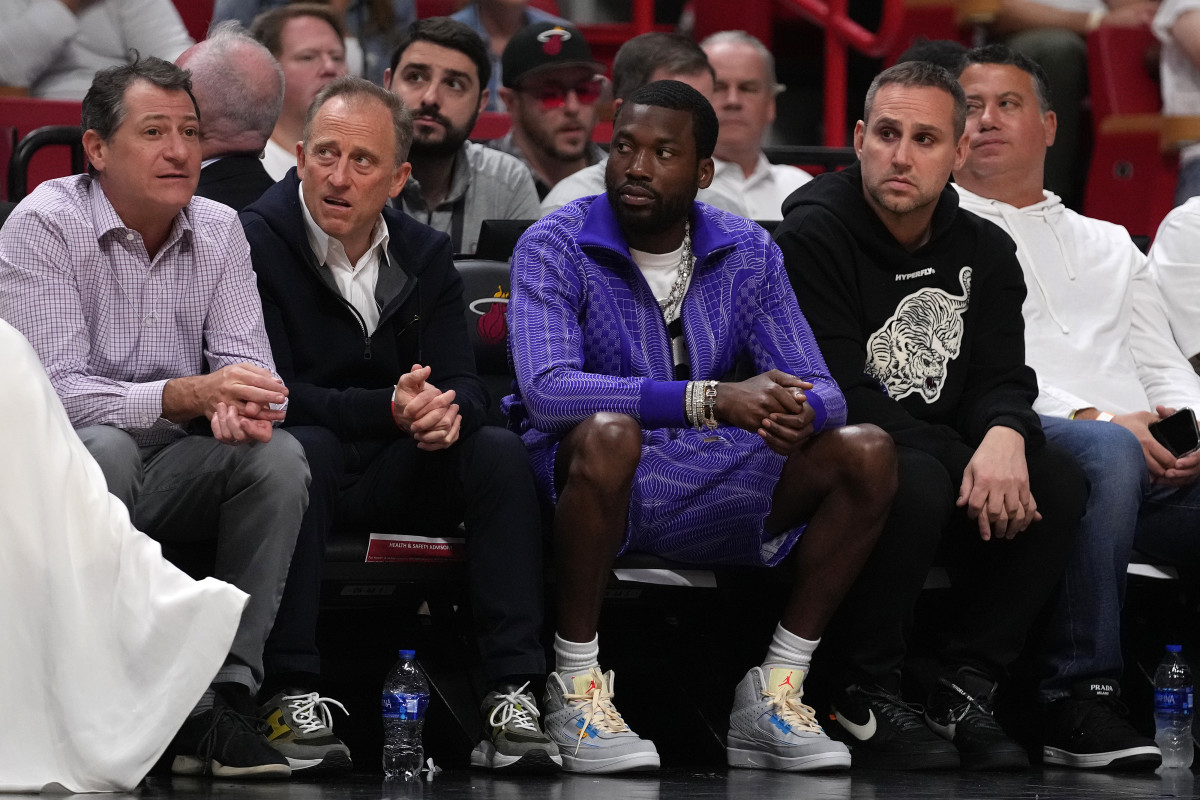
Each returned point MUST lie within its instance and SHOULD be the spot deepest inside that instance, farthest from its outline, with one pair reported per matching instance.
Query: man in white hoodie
(1097, 335)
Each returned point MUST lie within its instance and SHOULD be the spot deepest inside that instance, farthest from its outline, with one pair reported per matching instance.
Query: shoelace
(603, 715)
(304, 708)
(791, 710)
(208, 742)
(897, 711)
(515, 707)
(959, 712)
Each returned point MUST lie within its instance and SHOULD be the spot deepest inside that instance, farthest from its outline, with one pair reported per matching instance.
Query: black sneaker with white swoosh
(884, 732)
(960, 710)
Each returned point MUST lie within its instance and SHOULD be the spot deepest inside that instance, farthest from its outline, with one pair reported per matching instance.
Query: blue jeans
(1124, 511)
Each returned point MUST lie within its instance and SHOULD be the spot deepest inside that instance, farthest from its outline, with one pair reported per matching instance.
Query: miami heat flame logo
(492, 326)
(552, 40)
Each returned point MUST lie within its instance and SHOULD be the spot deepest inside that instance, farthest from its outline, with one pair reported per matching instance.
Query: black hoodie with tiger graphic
(929, 345)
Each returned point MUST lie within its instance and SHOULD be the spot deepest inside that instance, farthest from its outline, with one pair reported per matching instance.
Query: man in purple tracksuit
(626, 311)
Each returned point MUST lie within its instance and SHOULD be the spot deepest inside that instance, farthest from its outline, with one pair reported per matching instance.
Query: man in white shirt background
(744, 99)
(308, 41)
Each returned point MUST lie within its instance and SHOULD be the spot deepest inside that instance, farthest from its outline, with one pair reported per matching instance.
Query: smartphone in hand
(1178, 432)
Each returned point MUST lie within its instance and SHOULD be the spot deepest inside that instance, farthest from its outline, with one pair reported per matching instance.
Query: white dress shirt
(764, 191)
(355, 281)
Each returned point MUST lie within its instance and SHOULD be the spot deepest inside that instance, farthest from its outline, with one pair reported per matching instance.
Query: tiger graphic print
(911, 351)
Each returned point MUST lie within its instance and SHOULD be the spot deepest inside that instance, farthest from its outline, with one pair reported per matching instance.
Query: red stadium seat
(19, 116)
(1134, 168)
(197, 16)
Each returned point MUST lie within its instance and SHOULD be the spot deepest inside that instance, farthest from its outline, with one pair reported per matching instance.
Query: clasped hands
(428, 415)
(773, 405)
(995, 486)
(236, 400)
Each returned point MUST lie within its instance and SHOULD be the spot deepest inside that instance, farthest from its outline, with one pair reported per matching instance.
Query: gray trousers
(250, 498)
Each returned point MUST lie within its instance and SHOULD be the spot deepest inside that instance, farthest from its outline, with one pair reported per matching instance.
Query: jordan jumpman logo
(786, 681)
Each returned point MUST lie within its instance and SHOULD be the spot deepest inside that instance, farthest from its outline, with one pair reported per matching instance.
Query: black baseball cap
(545, 45)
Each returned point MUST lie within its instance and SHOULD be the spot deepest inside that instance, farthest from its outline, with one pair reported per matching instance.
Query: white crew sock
(571, 658)
(789, 650)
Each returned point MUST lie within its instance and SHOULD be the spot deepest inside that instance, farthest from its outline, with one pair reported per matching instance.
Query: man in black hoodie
(365, 314)
(917, 308)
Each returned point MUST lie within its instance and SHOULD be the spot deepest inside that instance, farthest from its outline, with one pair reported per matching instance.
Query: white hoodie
(1096, 331)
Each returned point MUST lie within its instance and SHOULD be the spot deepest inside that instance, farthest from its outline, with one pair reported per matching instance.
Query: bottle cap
(408, 655)
(1174, 648)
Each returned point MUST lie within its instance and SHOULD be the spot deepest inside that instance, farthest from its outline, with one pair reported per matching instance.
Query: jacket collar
(412, 247)
(600, 229)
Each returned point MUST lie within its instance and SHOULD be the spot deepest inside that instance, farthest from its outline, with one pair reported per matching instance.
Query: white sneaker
(769, 728)
(589, 732)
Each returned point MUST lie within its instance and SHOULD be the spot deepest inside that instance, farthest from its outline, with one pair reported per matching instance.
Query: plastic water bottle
(1173, 709)
(405, 698)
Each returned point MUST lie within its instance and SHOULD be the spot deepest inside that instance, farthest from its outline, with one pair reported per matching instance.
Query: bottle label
(401, 705)
(1173, 701)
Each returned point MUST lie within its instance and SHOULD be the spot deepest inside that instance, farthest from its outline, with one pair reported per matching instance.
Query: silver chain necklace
(670, 306)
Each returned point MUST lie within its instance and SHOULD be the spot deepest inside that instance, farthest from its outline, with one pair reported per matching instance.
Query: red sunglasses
(554, 96)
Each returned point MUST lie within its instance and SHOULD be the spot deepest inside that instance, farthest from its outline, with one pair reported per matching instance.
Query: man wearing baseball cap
(551, 85)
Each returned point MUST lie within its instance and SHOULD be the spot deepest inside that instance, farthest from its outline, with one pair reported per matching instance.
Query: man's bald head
(238, 87)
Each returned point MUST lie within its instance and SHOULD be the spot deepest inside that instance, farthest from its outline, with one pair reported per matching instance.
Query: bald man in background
(238, 86)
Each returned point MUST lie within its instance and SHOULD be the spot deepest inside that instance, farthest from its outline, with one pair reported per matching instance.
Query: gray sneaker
(301, 729)
(513, 742)
(769, 728)
(589, 732)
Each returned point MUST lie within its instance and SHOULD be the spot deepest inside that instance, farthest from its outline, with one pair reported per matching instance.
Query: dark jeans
(484, 480)
(1001, 585)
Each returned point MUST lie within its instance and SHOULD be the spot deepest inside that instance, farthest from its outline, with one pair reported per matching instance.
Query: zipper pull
(367, 348)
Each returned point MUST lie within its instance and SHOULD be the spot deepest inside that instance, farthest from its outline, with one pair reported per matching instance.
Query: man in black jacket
(365, 314)
(917, 308)
(238, 87)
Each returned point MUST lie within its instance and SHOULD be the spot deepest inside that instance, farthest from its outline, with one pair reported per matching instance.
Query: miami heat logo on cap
(552, 40)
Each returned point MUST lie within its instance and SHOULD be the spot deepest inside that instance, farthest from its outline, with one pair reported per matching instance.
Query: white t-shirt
(660, 271)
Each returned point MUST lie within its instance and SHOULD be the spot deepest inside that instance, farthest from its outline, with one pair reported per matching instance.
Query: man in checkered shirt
(142, 306)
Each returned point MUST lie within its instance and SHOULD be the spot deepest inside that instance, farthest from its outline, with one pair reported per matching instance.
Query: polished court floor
(677, 658)
(700, 784)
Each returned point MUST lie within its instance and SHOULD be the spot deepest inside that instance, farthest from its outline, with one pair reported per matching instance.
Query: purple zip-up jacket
(586, 334)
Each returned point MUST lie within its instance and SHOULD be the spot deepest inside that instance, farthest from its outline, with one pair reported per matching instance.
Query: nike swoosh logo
(860, 732)
(945, 731)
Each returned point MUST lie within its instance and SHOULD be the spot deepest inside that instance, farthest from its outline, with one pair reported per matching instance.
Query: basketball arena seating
(20, 116)
(1134, 168)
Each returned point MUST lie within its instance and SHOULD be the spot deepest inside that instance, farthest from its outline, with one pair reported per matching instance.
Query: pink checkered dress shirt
(110, 324)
